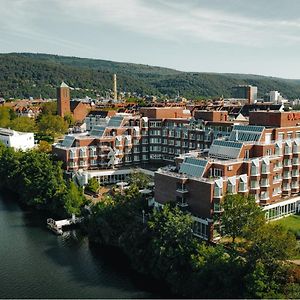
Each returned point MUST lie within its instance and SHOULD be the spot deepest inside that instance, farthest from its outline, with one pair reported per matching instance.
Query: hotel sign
(293, 116)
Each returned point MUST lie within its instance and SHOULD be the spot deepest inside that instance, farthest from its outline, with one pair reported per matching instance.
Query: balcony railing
(264, 183)
(182, 190)
(182, 203)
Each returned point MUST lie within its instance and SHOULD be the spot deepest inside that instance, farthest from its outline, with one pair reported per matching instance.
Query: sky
(226, 36)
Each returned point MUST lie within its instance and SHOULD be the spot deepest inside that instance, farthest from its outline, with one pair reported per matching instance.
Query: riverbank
(38, 264)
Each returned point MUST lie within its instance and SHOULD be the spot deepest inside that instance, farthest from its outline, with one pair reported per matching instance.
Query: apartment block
(261, 160)
(125, 140)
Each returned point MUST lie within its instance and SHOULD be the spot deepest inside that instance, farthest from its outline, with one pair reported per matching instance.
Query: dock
(57, 226)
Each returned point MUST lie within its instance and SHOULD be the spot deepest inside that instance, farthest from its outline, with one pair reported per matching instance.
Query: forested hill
(28, 74)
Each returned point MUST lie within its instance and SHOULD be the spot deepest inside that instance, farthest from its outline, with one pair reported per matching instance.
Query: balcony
(287, 176)
(254, 171)
(277, 180)
(182, 203)
(264, 183)
(264, 197)
(286, 188)
(265, 170)
(218, 208)
(277, 167)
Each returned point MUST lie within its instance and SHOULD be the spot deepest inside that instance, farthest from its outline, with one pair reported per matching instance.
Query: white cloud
(176, 21)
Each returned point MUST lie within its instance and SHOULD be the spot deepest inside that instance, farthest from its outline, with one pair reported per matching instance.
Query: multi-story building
(17, 140)
(126, 140)
(247, 92)
(261, 159)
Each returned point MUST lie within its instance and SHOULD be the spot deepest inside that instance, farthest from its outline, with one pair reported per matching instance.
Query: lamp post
(143, 212)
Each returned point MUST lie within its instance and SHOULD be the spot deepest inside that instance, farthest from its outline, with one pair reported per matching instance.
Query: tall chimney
(115, 87)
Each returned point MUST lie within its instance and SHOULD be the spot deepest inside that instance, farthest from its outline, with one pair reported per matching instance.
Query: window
(265, 167)
(269, 152)
(278, 149)
(231, 188)
(217, 191)
(93, 162)
(218, 172)
(254, 184)
(93, 151)
(247, 153)
(243, 183)
(280, 136)
(72, 153)
(82, 152)
(264, 195)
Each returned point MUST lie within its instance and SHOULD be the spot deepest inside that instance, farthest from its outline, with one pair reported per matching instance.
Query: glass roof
(193, 167)
(68, 141)
(115, 121)
(225, 149)
(97, 131)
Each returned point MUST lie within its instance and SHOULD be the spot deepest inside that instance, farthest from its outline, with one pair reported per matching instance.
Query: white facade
(276, 97)
(17, 140)
(110, 176)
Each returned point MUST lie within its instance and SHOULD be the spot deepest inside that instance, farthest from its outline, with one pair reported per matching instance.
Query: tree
(45, 147)
(172, 242)
(49, 108)
(271, 242)
(23, 124)
(4, 117)
(73, 199)
(69, 119)
(140, 179)
(93, 185)
(52, 125)
(241, 216)
(39, 181)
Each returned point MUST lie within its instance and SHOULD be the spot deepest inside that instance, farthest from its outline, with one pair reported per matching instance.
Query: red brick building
(65, 106)
(260, 160)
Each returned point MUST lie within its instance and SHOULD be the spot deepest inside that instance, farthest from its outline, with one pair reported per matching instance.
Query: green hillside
(28, 74)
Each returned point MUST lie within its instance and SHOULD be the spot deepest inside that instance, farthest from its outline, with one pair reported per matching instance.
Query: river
(35, 263)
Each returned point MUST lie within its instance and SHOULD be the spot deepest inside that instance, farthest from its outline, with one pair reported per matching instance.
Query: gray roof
(225, 149)
(97, 131)
(193, 167)
(115, 121)
(246, 133)
(68, 141)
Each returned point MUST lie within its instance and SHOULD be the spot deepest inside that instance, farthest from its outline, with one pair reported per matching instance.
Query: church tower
(63, 100)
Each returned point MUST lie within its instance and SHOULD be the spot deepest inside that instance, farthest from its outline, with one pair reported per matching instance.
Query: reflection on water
(35, 263)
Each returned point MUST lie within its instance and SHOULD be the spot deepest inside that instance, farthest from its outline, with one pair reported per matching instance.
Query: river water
(35, 263)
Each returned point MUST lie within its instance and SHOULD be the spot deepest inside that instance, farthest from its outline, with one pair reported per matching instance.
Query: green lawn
(291, 222)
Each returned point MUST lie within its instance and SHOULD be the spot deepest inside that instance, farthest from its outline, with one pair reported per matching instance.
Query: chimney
(115, 87)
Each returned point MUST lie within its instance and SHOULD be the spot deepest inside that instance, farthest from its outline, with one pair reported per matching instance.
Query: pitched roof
(63, 85)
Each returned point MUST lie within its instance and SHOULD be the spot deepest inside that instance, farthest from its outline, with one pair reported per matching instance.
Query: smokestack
(115, 87)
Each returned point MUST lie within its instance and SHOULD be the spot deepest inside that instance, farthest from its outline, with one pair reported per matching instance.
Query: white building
(276, 97)
(17, 140)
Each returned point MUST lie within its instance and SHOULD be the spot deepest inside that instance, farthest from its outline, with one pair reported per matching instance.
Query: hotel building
(261, 159)
(124, 140)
